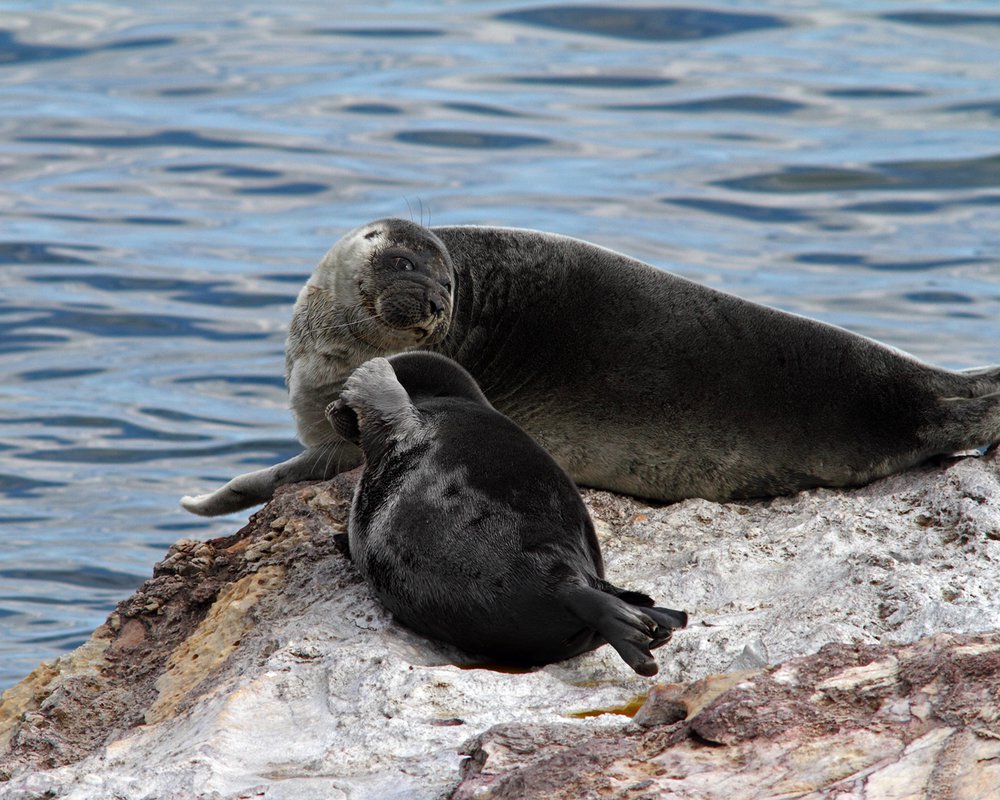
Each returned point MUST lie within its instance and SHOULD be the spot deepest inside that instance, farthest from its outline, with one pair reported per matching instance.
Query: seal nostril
(436, 305)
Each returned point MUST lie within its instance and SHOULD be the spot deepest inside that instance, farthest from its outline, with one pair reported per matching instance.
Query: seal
(470, 533)
(636, 380)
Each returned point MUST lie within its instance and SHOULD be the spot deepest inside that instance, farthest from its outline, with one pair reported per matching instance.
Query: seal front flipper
(344, 421)
(254, 488)
(374, 410)
(631, 630)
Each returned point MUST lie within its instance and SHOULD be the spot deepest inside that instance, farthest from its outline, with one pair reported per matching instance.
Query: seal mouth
(374, 329)
(410, 315)
(429, 330)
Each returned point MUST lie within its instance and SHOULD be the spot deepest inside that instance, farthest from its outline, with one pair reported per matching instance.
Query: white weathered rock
(852, 722)
(261, 666)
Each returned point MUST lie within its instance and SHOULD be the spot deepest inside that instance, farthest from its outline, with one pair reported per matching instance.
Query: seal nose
(437, 307)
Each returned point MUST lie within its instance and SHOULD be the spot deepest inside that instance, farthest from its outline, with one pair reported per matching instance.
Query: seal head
(390, 283)
(383, 288)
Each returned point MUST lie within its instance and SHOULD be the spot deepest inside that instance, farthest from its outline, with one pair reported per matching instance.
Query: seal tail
(971, 422)
(985, 376)
(632, 629)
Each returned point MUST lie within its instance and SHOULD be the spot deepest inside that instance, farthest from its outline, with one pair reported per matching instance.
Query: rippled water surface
(171, 173)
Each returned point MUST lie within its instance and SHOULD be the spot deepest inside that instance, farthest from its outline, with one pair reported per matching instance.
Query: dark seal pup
(634, 379)
(470, 533)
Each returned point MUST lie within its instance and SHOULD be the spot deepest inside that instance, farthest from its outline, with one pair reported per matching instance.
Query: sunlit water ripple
(172, 173)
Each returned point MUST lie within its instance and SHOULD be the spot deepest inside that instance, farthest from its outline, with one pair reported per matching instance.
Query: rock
(260, 665)
(852, 721)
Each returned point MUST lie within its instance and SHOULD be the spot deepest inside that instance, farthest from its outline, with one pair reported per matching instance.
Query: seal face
(470, 533)
(635, 380)
(385, 287)
(378, 290)
(405, 288)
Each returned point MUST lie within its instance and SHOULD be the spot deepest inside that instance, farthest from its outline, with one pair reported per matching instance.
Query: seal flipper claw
(344, 420)
(667, 621)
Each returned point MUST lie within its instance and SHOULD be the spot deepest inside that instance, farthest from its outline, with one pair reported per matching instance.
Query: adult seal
(636, 380)
(470, 533)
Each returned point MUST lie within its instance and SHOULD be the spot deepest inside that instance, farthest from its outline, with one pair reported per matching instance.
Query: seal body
(636, 380)
(469, 532)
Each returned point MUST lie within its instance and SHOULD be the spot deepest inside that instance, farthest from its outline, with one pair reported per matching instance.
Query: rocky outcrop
(260, 665)
(865, 722)
(160, 645)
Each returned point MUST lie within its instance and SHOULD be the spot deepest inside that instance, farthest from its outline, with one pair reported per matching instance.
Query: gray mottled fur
(469, 532)
(636, 380)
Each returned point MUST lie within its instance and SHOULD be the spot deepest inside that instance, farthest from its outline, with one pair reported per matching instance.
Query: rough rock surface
(259, 665)
(852, 721)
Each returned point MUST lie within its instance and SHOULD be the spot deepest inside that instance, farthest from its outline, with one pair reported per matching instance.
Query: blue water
(171, 172)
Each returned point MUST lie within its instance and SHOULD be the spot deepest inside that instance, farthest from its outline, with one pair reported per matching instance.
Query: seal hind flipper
(631, 630)
(972, 421)
(629, 596)
(667, 620)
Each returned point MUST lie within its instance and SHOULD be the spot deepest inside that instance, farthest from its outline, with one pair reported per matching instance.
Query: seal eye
(400, 262)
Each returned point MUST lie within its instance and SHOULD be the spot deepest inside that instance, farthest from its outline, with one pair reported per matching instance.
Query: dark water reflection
(730, 104)
(911, 176)
(173, 171)
(642, 24)
(14, 51)
(943, 19)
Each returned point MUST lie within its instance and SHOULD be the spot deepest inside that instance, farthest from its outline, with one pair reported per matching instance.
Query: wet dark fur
(642, 382)
(470, 532)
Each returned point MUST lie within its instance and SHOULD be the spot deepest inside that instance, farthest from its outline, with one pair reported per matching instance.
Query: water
(171, 173)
